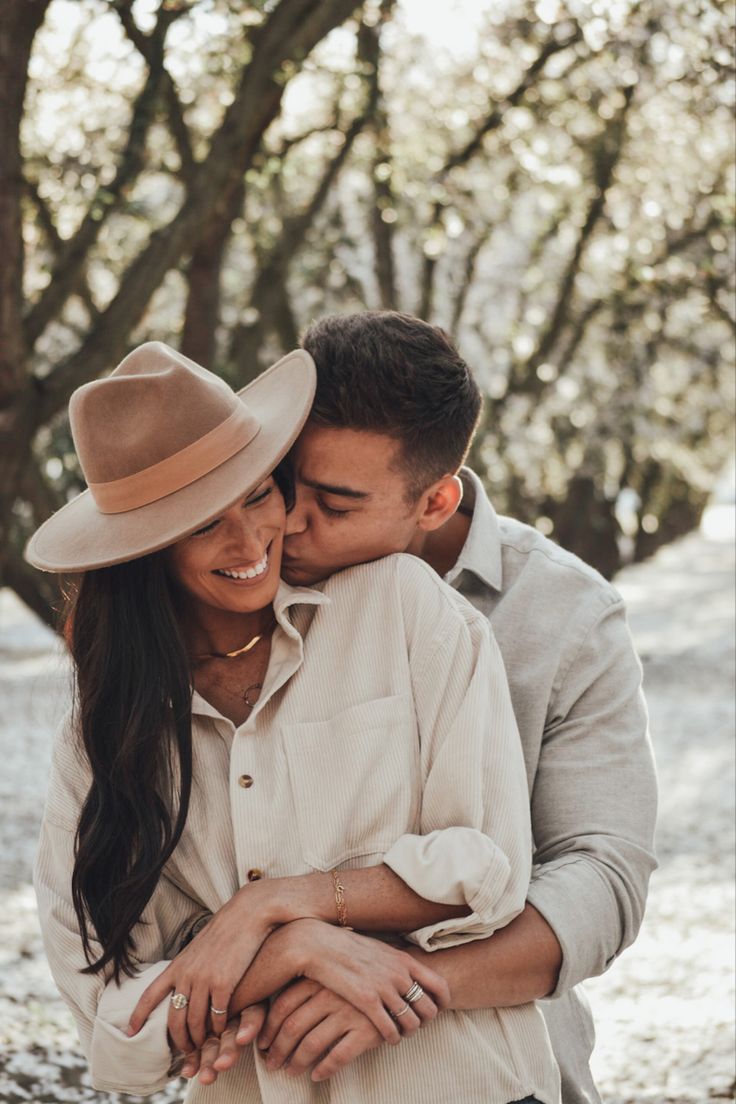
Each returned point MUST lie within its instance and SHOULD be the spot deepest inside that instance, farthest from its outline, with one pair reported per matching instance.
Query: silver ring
(415, 993)
(179, 1001)
(404, 1010)
(218, 1011)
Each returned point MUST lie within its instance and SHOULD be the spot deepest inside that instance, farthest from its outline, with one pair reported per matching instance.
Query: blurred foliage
(557, 192)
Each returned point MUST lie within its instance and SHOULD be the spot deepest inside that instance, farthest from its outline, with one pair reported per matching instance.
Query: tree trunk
(19, 21)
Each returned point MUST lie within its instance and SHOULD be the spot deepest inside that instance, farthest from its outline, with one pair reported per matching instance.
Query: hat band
(178, 470)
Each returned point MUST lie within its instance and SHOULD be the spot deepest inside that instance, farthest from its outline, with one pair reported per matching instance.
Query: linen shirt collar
(481, 553)
(286, 597)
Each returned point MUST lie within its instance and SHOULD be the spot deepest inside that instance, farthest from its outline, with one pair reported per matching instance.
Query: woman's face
(234, 562)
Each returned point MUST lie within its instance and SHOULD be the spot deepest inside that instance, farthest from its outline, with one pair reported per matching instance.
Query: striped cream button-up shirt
(384, 733)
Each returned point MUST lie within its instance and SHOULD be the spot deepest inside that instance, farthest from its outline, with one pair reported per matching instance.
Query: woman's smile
(244, 574)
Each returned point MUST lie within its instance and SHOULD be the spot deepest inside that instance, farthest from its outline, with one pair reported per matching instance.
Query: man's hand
(309, 1026)
(220, 1054)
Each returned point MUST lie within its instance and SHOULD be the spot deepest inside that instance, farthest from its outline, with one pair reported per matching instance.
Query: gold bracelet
(342, 908)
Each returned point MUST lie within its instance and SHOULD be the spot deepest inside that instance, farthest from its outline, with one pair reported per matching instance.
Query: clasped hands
(345, 991)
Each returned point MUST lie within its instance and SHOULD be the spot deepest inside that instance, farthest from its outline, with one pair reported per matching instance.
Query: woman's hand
(371, 975)
(207, 971)
(309, 1027)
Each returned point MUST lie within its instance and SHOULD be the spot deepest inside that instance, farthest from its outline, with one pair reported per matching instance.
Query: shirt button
(245, 781)
(255, 874)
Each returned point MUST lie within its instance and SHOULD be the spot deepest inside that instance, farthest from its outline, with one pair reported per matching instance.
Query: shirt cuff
(119, 1063)
(582, 911)
(454, 866)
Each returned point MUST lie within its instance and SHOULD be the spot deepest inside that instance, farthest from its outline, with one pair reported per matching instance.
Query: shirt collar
(481, 553)
(286, 597)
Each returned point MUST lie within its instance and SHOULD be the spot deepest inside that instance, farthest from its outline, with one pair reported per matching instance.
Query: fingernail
(245, 1034)
(187, 1071)
(130, 1030)
(262, 1042)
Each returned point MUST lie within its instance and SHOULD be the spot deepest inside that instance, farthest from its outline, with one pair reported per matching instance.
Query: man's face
(351, 504)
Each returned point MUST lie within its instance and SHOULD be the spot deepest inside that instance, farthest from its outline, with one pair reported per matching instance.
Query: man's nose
(296, 519)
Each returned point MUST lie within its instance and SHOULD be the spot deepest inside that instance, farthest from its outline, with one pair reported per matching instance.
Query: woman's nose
(244, 538)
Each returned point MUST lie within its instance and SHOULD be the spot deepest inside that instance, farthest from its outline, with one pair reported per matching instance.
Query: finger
(425, 1008)
(252, 1020)
(177, 1028)
(177, 1025)
(210, 1052)
(294, 1028)
(315, 1045)
(377, 1013)
(406, 1019)
(432, 983)
(150, 999)
(350, 1047)
(229, 1051)
(218, 1011)
(191, 1064)
(285, 1004)
(198, 1012)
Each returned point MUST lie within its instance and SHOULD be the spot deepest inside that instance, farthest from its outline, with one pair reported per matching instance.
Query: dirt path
(664, 1011)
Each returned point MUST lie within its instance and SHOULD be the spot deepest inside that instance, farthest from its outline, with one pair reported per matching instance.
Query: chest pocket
(355, 781)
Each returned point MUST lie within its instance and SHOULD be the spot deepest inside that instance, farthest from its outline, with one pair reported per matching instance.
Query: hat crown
(117, 423)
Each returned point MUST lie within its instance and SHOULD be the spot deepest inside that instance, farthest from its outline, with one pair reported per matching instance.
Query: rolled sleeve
(118, 1063)
(594, 804)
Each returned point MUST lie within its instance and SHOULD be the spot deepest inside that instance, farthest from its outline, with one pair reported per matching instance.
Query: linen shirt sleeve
(474, 845)
(102, 1008)
(594, 803)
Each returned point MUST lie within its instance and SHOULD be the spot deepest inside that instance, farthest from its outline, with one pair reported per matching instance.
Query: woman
(282, 760)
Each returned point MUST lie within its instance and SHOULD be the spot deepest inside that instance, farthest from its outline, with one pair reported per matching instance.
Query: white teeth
(250, 573)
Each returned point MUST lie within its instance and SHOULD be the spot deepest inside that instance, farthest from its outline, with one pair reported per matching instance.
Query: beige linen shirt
(384, 733)
(575, 684)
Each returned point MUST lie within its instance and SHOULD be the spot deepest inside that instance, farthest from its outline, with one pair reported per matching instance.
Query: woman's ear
(440, 501)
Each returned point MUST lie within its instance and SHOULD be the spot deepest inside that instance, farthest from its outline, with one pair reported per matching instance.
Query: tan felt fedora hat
(165, 447)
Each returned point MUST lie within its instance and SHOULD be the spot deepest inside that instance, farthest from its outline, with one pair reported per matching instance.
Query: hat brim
(78, 537)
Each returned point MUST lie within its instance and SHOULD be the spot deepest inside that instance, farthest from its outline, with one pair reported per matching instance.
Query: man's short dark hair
(388, 372)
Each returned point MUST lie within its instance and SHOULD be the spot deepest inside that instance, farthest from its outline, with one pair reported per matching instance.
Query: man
(378, 470)
(375, 473)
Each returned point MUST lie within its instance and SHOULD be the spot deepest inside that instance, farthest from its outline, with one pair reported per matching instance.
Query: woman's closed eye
(206, 528)
(254, 501)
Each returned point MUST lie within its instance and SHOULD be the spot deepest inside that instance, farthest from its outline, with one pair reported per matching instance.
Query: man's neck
(442, 547)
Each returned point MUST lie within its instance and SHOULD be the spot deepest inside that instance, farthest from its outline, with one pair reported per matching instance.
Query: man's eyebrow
(335, 489)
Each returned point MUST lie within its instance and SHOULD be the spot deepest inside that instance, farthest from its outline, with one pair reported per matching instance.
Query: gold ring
(403, 1012)
(218, 1011)
(179, 1001)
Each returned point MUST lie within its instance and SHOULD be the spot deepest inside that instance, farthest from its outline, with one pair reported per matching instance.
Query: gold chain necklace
(238, 651)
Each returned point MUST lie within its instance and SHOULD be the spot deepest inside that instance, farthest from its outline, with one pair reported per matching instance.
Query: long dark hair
(133, 716)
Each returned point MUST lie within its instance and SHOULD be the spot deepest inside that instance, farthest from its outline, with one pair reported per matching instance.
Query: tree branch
(146, 47)
(492, 121)
(267, 293)
(606, 154)
(56, 244)
(290, 32)
(369, 53)
(72, 259)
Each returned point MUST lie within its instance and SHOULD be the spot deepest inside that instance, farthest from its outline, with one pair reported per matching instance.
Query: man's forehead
(346, 461)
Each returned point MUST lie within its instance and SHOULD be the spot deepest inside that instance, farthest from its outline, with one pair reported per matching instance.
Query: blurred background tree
(551, 181)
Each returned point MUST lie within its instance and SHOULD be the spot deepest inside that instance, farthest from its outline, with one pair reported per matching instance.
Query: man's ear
(439, 502)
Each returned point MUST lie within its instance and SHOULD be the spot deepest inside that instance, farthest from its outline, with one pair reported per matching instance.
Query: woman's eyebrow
(335, 489)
